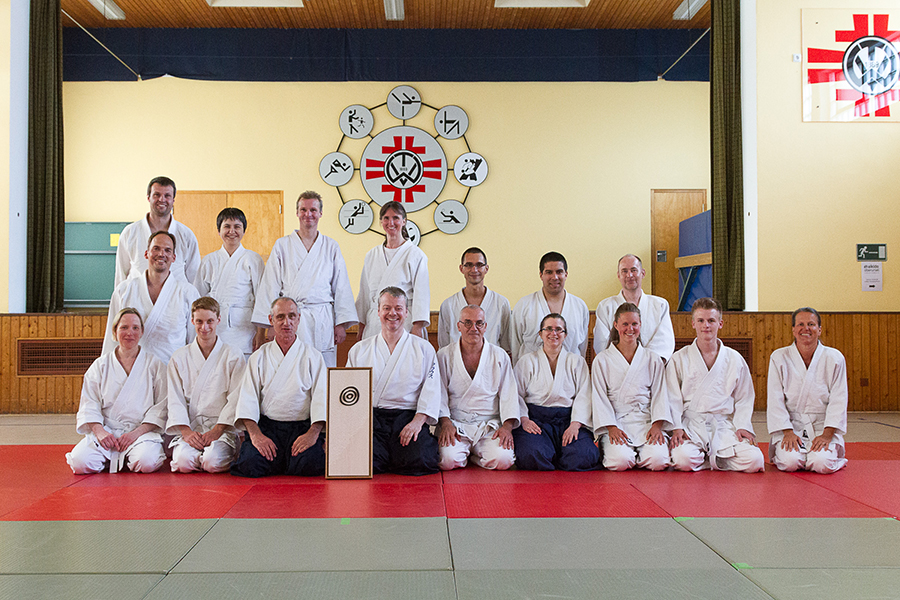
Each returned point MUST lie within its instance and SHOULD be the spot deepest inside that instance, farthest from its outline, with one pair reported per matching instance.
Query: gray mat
(96, 546)
(396, 585)
(633, 584)
(76, 587)
(491, 544)
(257, 545)
(830, 584)
(802, 543)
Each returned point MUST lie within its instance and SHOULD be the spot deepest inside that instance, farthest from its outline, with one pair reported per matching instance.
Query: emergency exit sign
(870, 252)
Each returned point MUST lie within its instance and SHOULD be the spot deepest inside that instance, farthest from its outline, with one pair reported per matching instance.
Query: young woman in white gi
(630, 405)
(555, 392)
(231, 275)
(123, 406)
(200, 376)
(399, 263)
(806, 408)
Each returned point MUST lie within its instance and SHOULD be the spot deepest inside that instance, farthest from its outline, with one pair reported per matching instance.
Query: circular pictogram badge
(349, 396)
(451, 122)
(356, 216)
(404, 102)
(404, 164)
(470, 169)
(871, 65)
(451, 216)
(336, 169)
(412, 230)
(356, 121)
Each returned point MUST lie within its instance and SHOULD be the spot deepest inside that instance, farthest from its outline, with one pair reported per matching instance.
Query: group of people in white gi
(544, 414)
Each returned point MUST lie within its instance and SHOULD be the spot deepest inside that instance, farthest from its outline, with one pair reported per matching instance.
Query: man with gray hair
(657, 333)
(406, 393)
(281, 403)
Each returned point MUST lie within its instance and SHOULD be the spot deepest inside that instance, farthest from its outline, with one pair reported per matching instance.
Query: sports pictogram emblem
(850, 73)
(405, 164)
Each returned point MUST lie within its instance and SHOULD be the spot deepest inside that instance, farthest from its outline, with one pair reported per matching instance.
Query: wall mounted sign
(851, 65)
(871, 252)
(404, 163)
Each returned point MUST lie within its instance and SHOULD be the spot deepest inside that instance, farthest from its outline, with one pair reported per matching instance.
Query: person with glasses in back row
(497, 313)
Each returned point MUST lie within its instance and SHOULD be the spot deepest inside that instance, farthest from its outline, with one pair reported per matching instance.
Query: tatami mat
(827, 584)
(875, 483)
(340, 498)
(259, 545)
(801, 543)
(96, 546)
(517, 544)
(132, 502)
(548, 500)
(630, 584)
(393, 585)
(77, 587)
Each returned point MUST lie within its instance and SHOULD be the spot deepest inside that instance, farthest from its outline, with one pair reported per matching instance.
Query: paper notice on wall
(871, 276)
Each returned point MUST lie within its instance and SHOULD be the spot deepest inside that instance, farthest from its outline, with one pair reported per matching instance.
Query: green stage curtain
(727, 163)
(46, 195)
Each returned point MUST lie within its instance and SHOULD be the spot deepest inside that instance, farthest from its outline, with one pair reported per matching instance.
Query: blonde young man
(806, 407)
(711, 395)
(200, 377)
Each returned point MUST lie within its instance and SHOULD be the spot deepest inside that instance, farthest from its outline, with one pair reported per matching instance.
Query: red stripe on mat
(131, 502)
(338, 499)
(41, 466)
(769, 494)
(875, 483)
(547, 500)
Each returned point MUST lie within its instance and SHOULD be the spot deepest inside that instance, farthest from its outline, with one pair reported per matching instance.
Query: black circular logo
(349, 396)
(871, 65)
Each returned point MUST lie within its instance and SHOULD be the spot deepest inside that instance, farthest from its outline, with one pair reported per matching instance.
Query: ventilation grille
(48, 356)
(744, 346)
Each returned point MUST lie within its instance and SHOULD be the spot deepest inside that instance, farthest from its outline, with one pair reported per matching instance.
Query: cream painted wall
(5, 23)
(823, 187)
(571, 164)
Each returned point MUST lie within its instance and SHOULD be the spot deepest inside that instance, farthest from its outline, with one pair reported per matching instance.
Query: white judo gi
(569, 387)
(807, 401)
(167, 322)
(121, 402)
(198, 398)
(657, 333)
(526, 324)
(317, 280)
(130, 260)
(283, 387)
(407, 269)
(233, 281)
(631, 396)
(711, 405)
(478, 406)
(497, 314)
(405, 382)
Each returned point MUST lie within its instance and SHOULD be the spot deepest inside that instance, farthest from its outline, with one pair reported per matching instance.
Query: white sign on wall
(871, 276)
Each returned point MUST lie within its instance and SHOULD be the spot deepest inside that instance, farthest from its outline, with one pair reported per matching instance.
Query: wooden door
(198, 211)
(667, 209)
(265, 224)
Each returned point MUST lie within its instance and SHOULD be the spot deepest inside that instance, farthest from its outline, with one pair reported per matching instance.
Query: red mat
(547, 500)
(769, 494)
(42, 466)
(338, 499)
(473, 474)
(131, 502)
(873, 450)
(875, 483)
(14, 498)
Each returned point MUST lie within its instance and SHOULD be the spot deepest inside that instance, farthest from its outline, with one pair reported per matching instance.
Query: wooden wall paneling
(265, 222)
(881, 370)
(891, 358)
(198, 211)
(6, 366)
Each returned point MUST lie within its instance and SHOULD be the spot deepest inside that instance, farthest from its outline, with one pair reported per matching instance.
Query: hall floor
(468, 534)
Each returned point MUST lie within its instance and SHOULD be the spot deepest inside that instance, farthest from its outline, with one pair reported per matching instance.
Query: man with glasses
(481, 405)
(496, 308)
